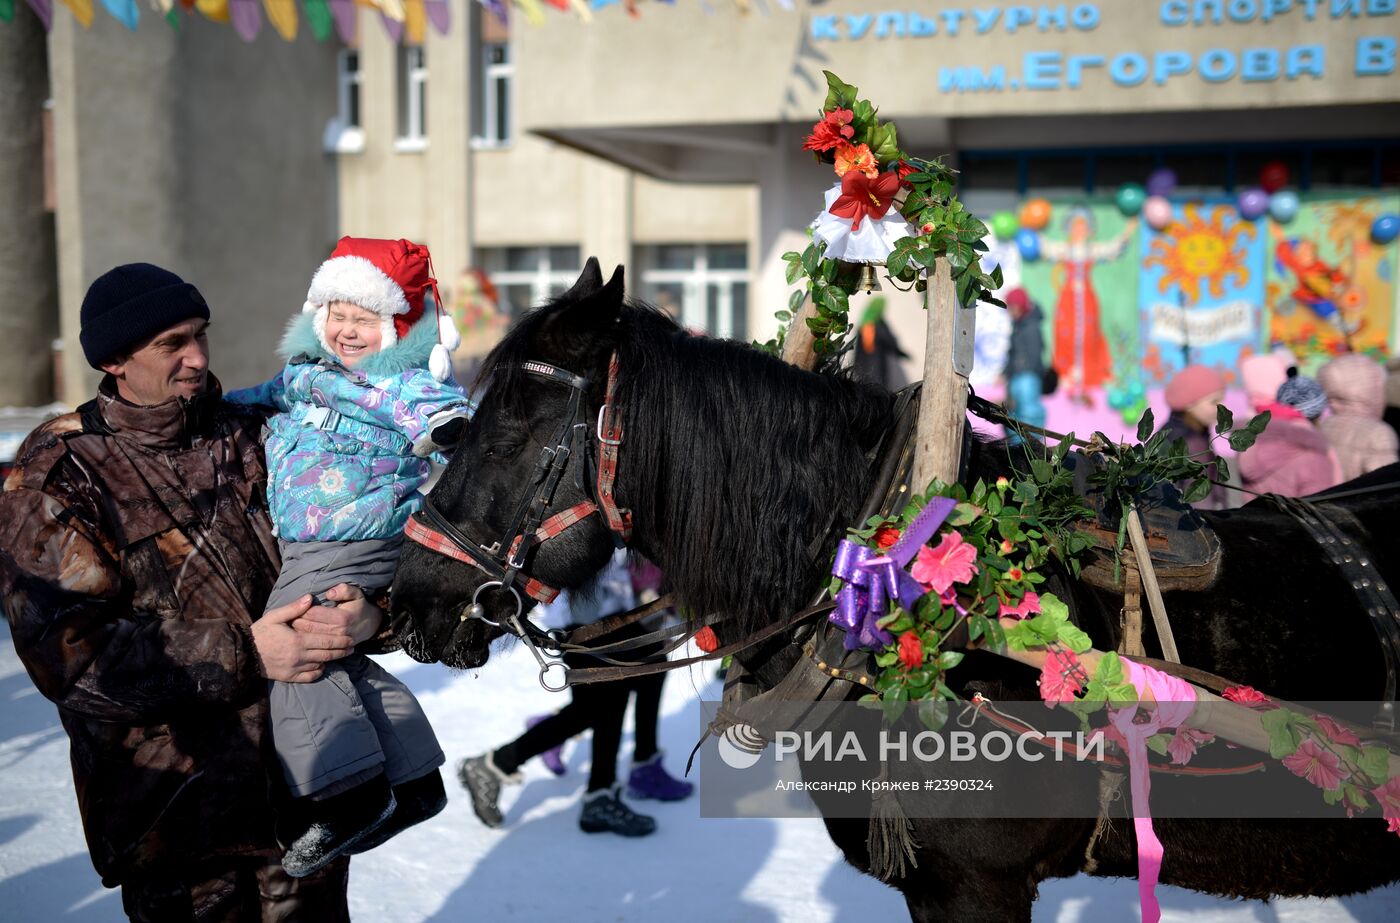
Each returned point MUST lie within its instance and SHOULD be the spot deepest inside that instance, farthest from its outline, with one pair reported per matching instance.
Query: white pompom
(309, 307)
(447, 333)
(440, 363)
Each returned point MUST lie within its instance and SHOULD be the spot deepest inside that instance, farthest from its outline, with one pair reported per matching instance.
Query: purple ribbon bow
(871, 581)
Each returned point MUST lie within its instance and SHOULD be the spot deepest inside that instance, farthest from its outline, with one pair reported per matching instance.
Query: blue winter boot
(651, 780)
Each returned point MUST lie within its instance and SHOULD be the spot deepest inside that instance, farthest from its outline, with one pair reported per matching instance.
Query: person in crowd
(1025, 360)
(1391, 415)
(1261, 375)
(1192, 395)
(596, 706)
(136, 558)
(1292, 457)
(1355, 387)
(357, 416)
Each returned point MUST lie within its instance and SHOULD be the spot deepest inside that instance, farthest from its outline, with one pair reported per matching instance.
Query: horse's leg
(997, 896)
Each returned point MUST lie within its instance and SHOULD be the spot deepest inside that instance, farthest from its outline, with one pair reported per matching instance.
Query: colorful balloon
(1004, 225)
(1273, 176)
(1035, 214)
(1283, 206)
(1028, 242)
(1130, 198)
(1252, 203)
(1157, 212)
(1161, 182)
(1385, 229)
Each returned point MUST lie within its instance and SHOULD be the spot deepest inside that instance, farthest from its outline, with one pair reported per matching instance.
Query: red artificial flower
(1246, 695)
(706, 640)
(860, 158)
(1059, 678)
(903, 168)
(885, 537)
(861, 197)
(1318, 765)
(926, 228)
(911, 651)
(834, 128)
(1336, 732)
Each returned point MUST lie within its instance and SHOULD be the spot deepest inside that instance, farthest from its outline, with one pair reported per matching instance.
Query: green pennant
(173, 17)
(318, 17)
(7, 10)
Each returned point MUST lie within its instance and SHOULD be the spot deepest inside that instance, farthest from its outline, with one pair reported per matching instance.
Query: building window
(529, 276)
(413, 99)
(496, 73)
(703, 286)
(346, 135)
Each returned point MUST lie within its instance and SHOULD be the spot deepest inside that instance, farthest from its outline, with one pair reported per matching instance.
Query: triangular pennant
(415, 21)
(247, 18)
(82, 11)
(439, 14)
(124, 12)
(43, 9)
(498, 7)
(585, 12)
(283, 16)
(318, 18)
(7, 10)
(393, 29)
(160, 7)
(173, 19)
(347, 19)
(393, 9)
(187, 4)
(562, 5)
(599, 4)
(534, 13)
(213, 10)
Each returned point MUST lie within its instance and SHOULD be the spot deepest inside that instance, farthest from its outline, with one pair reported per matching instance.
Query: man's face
(173, 363)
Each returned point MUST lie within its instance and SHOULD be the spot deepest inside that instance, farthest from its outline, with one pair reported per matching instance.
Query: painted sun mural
(1199, 250)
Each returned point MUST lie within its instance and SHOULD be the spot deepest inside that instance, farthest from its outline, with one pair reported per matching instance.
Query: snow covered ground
(539, 866)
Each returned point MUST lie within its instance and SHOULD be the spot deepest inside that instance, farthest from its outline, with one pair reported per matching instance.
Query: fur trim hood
(410, 352)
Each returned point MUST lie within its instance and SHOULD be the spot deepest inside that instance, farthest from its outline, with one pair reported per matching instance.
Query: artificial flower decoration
(1317, 764)
(885, 537)
(1389, 797)
(1184, 743)
(859, 225)
(911, 651)
(858, 158)
(1059, 678)
(1030, 603)
(835, 128)
(1336, 733)
(1245, 695)
(953, 561)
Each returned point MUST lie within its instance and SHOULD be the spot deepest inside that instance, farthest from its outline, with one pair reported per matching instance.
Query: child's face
(352, 332)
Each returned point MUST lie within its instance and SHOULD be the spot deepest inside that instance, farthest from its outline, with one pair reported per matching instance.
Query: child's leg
(609, 707)
(324, 739)
(646, 711)
(410, 747)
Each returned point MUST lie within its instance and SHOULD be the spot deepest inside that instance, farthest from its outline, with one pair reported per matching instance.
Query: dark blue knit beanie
(132, 303)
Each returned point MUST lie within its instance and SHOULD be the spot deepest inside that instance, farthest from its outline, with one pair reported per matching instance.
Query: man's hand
(346, 610)
(293, 652)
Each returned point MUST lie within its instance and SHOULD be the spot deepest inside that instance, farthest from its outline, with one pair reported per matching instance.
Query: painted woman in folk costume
(1081, 353)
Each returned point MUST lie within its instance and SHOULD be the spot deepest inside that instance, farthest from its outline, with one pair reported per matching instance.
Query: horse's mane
(735, 463)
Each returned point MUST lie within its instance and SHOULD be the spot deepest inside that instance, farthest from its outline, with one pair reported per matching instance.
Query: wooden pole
(943, 408)
(799, 345)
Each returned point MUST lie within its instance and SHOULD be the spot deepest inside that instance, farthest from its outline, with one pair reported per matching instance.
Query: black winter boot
(415, 801)
(605, 812)
(330, 827)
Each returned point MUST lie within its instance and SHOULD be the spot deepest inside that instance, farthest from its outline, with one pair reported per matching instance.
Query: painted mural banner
(1201, 290)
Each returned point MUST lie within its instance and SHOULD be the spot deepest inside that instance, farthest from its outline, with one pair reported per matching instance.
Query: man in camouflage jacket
(135, 554)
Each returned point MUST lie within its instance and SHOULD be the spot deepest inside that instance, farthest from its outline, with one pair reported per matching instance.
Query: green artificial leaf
(1355, 796)
(1331, 795)
(1157, 743)
(963, 514)
(1241, 439)
(1222, 470)
(839, 95)
(784, 316)
(1110, 671)
(1375, 762)
(894, 702)
(1145, 425)
(1224, 419)
(886, 659)
(1282, 728)
(933, 713)
(1122, 694)
(795, 300)
(949, 659)
(791, 256)
(976, 627)
(1256, 426)
(1198, 491)
(810, 258)
(1074, 638)
(794, 270)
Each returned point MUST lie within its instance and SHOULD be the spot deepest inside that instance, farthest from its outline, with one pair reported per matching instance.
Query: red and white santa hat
(390, 278)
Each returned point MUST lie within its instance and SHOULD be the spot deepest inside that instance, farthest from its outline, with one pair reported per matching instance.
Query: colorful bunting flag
(415, 21)
(44, 10)
(283, 16)
(246, 16)
(534, 13)
(346, 19)
(124, 12)
(318, 18)
(213, 10)
(82, 11)
(439, 14)
(392, 28)
(7, 10)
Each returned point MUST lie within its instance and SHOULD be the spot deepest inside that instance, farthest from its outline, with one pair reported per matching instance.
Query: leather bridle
(528, 526)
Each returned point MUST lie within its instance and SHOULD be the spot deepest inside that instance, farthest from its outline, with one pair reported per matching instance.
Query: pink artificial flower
(1059, 679)
(1337, 733)
(953, 561)
(1184, 742)
(1028, 604)
(1318, 765)
(1246, 695)
(1389, 797)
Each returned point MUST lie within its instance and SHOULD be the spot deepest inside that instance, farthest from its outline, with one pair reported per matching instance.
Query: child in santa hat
(365, 399)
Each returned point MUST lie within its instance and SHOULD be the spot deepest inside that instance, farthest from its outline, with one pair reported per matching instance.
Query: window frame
(349, 136)
(695, 282)
(412, 79)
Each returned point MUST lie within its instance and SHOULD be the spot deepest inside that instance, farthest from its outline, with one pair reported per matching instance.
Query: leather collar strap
(609, 446)
(447, 539)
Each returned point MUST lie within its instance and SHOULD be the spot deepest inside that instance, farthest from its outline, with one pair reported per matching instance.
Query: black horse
(737, 467)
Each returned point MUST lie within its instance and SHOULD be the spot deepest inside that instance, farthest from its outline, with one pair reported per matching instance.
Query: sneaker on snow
(331, 827)
(553, 758)
(651, 780)
(483, 781)
(606, 812)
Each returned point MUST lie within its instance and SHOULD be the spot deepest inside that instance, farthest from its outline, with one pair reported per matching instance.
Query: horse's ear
(589, 281)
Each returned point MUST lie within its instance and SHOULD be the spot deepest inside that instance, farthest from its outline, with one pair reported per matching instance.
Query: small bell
(868, 282)
(474, 611)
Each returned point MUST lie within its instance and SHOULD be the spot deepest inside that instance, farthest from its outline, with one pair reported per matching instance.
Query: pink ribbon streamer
(1175, 701)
